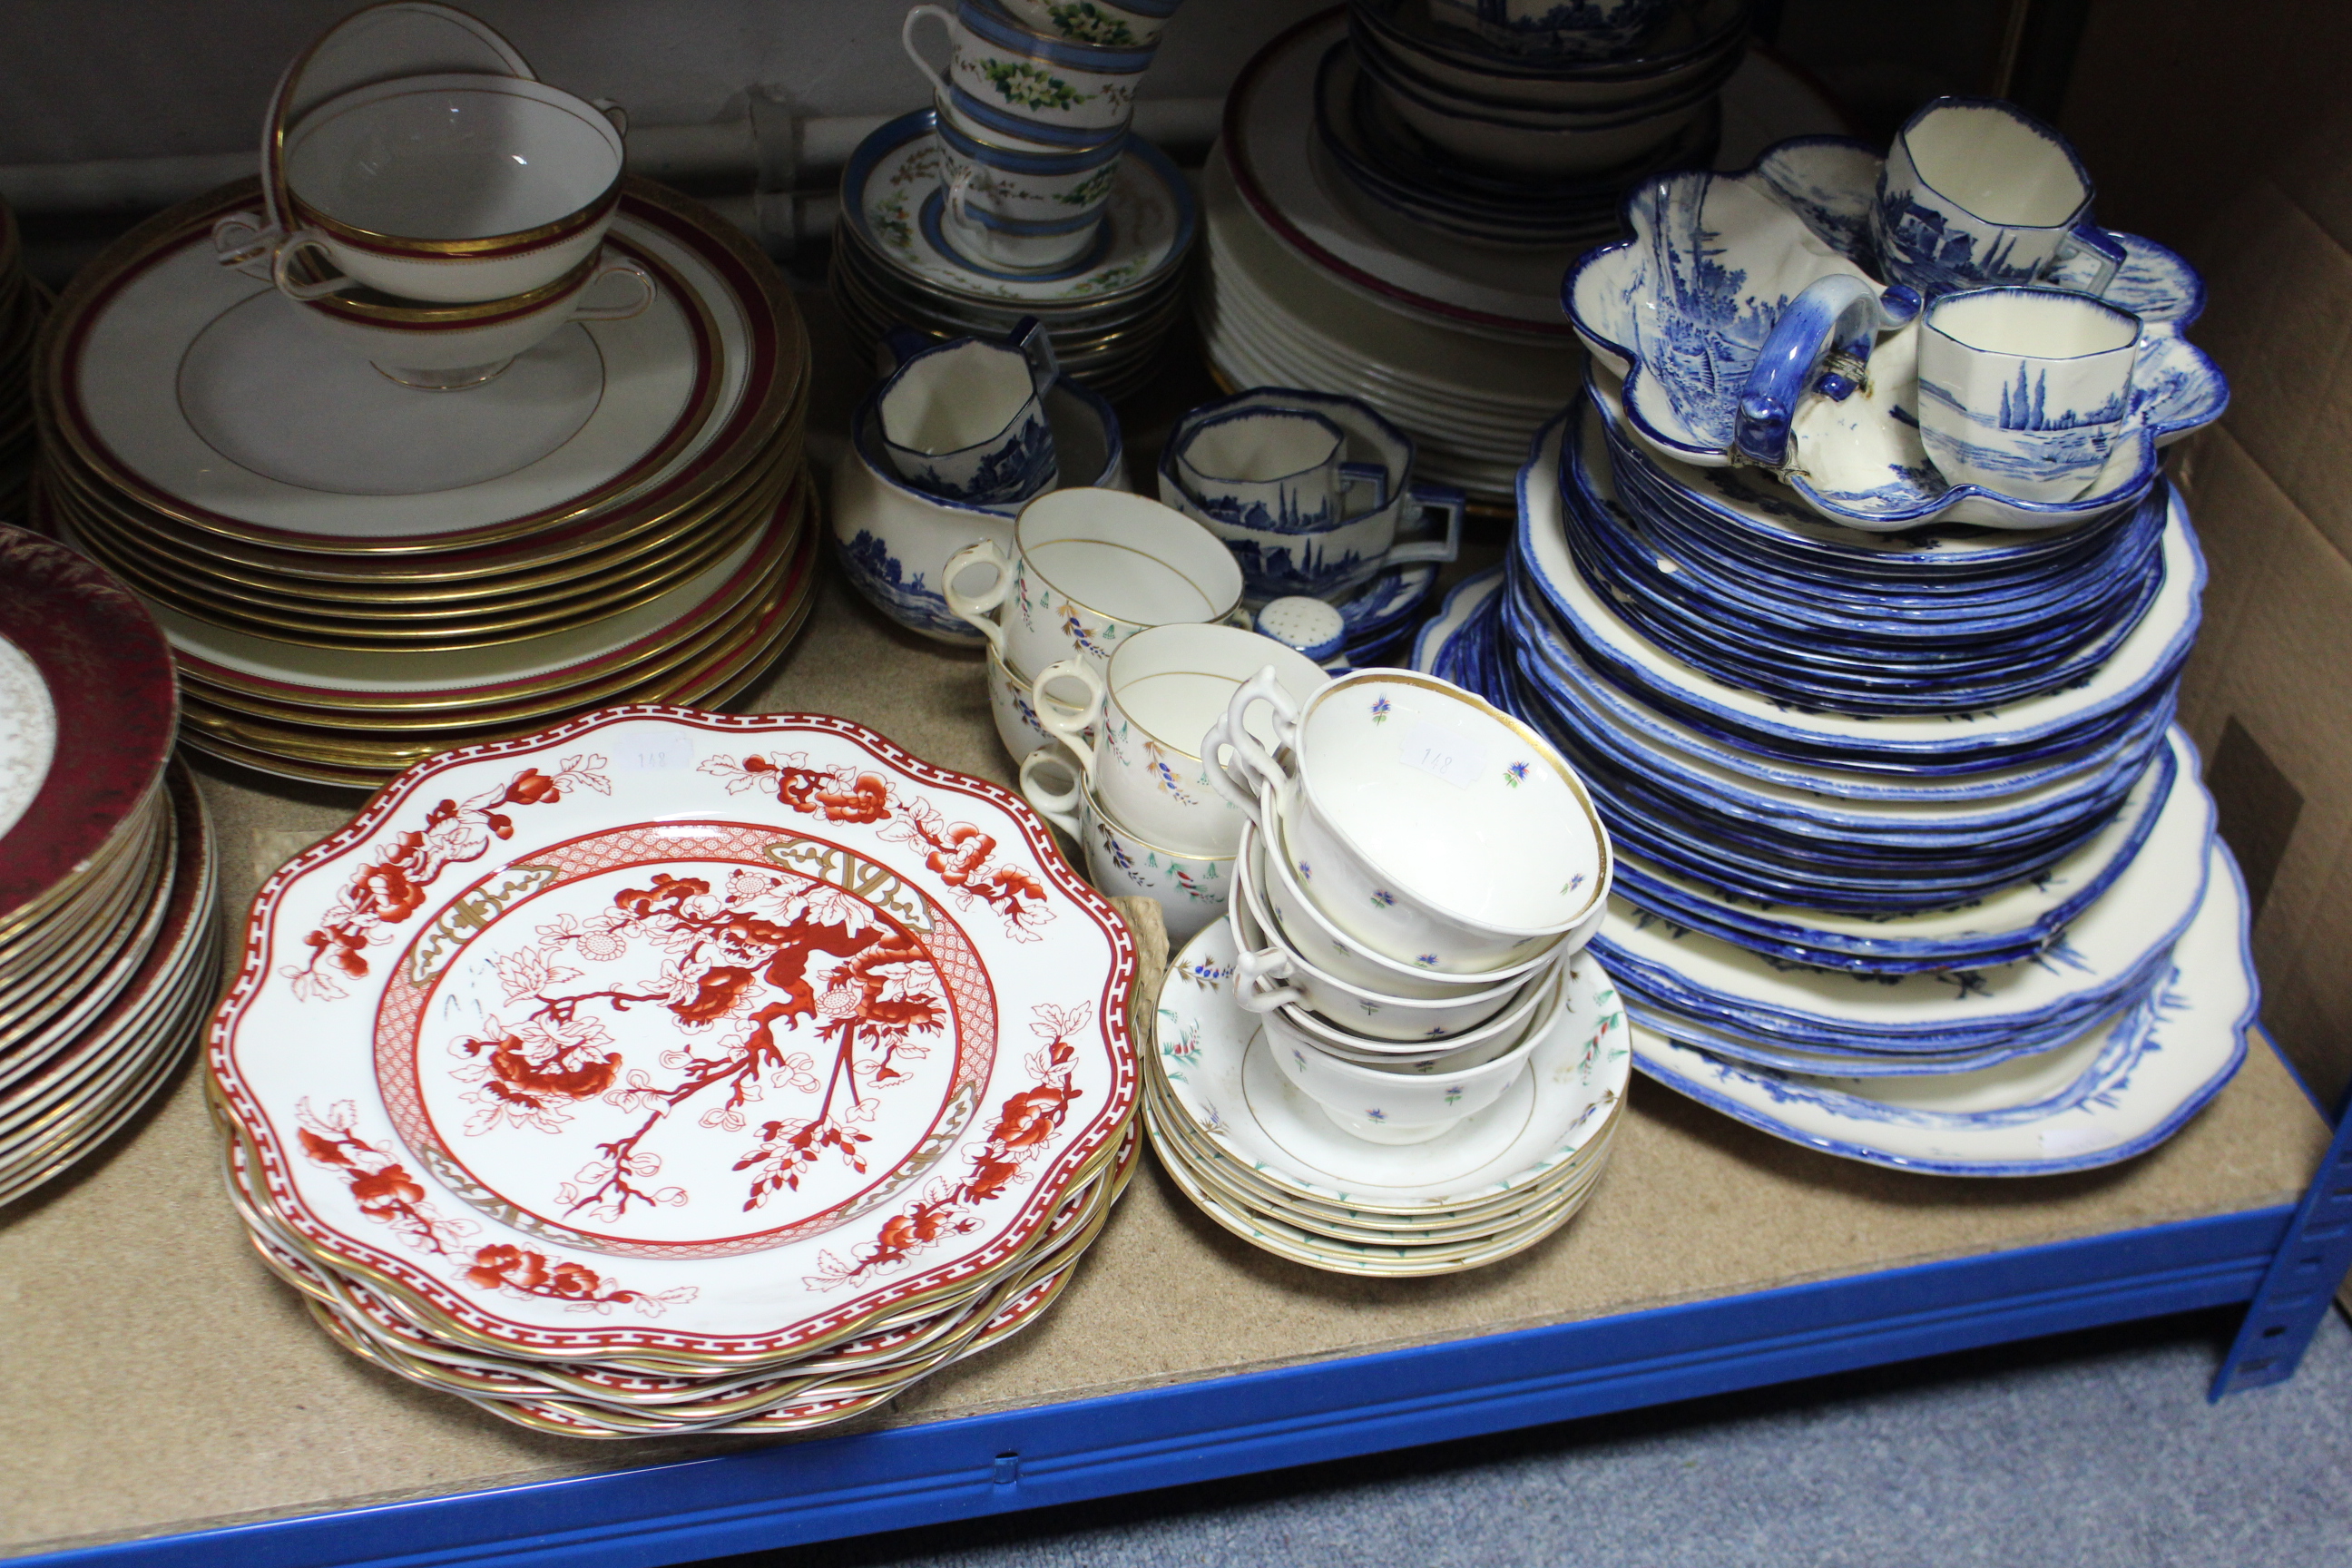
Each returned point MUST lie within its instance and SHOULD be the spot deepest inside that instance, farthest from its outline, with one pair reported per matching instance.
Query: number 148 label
(1435, 749)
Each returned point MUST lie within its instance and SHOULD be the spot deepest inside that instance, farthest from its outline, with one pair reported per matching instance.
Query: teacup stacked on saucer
(429, 450)
(1404, 958)
(23, 302)
(1016, 188)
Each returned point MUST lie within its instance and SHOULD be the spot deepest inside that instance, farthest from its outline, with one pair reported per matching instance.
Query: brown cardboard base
(157, 1379)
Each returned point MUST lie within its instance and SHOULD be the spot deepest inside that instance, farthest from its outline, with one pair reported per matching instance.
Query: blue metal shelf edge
(824, 1488)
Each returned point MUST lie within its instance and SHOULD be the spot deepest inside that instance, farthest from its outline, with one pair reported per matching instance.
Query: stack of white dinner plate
(109, 950)
(1313, 283)
(675, 1072)
(356, 574)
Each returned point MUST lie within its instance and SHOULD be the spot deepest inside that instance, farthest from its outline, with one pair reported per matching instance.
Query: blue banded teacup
(1023, 209)
(1114, 24)
(1009, 81)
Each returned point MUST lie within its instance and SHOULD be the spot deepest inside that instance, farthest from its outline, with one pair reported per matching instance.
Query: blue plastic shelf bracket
(2311, 1263)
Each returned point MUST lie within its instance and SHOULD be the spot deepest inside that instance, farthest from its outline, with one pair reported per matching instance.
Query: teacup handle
(1261, 975)
(1037, 346)
(932, 74)
(2105, 250)
(1837, 318)
(975, 607)
(645, 291)
(1067, 722)
(613, 112)
(959, 198)
(292, 246)
(1372, 474)
(1448, 502)
(244, 242)
(1060, 809)
(1250, 772)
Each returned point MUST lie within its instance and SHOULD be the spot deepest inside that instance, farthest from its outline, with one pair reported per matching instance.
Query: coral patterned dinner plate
(87, 713)
(677, 1034)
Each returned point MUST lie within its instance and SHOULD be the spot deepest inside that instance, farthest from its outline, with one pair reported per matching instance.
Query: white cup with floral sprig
(1088, 568)
(1135, 725)
(1111, 24)
(1010, 80)
(1192, 889)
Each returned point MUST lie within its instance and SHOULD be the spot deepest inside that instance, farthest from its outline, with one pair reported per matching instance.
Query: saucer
(1148, 219)
(2122, 1087)
(1221, 1075)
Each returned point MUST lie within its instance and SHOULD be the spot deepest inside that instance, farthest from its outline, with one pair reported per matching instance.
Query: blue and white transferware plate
(2123, 1086)
(2076, 974)
(1461, 601)
(1682, 309)
(2140, 669)
(1212, 1059)
(1149, 221)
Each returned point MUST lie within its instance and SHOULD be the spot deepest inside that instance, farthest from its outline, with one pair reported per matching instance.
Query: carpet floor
(2086, 1450)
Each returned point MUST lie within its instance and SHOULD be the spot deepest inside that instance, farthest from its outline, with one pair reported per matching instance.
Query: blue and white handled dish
(1684, 309)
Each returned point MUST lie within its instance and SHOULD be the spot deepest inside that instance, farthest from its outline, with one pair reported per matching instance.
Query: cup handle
(899, 344)
(1062, 809)
(1037, 346)
(1067, 722)
(613, 112)
(1250, 772)
(1261, 975)
(1445, 500)
(937, 77)
(281, 265)
(959, 198)
(1372, 474)
(645, 292)
(244, 242)
(1835, 319)
(975, 607)
(2105, 250)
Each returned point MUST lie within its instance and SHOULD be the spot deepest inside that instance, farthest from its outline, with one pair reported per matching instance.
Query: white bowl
(1384, 1105)
(1273, 974)
(455, 187)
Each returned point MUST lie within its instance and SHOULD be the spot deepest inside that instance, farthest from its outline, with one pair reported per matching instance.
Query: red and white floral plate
(676, 1039)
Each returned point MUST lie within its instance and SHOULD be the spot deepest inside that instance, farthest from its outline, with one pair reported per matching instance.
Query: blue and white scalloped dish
(1684, 309)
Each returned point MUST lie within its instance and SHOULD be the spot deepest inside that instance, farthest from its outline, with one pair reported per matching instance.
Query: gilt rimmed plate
(2127, 1083)
(845, 1024)
(87, 708)
(185, 385)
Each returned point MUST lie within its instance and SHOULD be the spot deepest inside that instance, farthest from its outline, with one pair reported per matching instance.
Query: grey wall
(121, 78)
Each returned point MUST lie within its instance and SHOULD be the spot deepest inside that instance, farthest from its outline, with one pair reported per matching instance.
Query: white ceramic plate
(2122, 1088)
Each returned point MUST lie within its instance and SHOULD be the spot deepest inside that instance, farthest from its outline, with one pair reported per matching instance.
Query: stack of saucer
(355, 573)
(1413, 891)
(1107, 312)
(866, 1124)
(1266, 1161)
(23, 302)
(109, 952)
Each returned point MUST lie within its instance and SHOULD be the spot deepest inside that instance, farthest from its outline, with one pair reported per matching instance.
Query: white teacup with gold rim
(447, 189)
(1137, 731)
(1087, 568)
(1428, 824)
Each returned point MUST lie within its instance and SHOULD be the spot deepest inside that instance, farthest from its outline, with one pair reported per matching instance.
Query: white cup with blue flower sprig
(1014, 82)
(1026, 210)
(965, 419)
(2025, 391)
(1111, 24)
